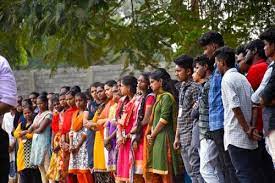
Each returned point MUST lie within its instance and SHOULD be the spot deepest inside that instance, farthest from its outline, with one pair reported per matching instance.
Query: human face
(209, 50)
(57, 106)
(108, 91)
(80, 103)
(62, 101)
(28, 114)
(220, 65)
(93, 93)
(49, 96)
(70, 100)
(33, 99)
(142, 84)
(241, 61)
(155, 85)
(119, 85)
(42, 106)
(19, 108)
(100, 93)
(125, 90)
(269, 49)
(116, 93)
(181, 73)
(199, 73)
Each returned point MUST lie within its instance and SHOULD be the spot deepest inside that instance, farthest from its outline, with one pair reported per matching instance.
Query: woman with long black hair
(162, 160)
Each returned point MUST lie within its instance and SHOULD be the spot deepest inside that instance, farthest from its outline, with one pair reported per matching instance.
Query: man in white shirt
(240, 138)
(7, 125)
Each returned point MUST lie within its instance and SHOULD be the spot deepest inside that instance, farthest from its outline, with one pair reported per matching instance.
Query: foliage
(136, 33)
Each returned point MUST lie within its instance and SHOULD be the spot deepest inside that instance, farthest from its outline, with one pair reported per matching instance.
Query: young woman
(67, 121)
(163, 160)
(28, 173)
(110, 131)
(79, 165)
(125, 125)
(145, 100)
(88, 116)
(41, 141)
(101, 174)
(54, 172)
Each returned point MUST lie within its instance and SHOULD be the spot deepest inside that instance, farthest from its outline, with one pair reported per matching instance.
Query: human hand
(176, 143)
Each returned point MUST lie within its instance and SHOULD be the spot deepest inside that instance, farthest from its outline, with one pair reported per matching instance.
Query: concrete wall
(44, 80)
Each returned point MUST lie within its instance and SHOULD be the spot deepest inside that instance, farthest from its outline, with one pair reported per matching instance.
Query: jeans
(265, 164)
(209, 161)
(245, 163)
(191, 158)
(224, 158)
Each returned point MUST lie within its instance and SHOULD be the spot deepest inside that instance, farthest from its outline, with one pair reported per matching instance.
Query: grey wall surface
(42, 80)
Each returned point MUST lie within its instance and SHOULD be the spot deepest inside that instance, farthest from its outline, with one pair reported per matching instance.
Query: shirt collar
(231, 70)
(186, 83)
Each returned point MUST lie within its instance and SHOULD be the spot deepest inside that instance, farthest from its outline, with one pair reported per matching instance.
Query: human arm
(7, 87)
(43, 125)
(166, 111)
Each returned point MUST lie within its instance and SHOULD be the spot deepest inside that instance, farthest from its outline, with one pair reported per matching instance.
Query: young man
(241, 66)
(265, 93)
(207, 149)
(7, 100)
(255, 60)
(240, 138)
(210, 42)
(187, 97)
(7, 125)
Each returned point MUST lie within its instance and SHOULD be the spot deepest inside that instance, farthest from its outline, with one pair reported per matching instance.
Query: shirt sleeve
(7, 83)
(150, 100)
(257, 94)
(268, 92)
(231, 96)
(166, 108)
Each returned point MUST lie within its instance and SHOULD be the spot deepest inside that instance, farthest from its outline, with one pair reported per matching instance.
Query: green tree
(133, 32)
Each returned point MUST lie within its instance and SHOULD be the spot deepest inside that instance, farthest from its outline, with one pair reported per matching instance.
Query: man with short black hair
(240, 137)
(188, 95)
(210, 42)
(265, 93)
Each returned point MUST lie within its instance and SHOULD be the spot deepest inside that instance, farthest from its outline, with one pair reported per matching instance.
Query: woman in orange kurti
(78, 164)
(55, 172)
(101, 174)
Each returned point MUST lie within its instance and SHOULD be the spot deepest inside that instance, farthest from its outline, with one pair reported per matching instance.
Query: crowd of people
(216, 123)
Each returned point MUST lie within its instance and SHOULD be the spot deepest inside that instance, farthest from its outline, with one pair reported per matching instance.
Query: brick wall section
(42, 80)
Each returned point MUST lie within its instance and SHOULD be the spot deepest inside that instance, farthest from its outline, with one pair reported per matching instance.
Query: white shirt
(236, 92)
(7, 125)
(256, 96)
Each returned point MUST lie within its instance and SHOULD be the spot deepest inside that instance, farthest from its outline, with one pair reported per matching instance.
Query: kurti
(78, 161)
(125, 125)
(100, 161)
(55, 169)
(41, 143)
(24, 148)
(111, 128)
(149, 101)
(162, 154)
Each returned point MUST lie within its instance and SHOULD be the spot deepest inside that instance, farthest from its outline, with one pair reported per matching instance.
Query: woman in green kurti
(162, 159)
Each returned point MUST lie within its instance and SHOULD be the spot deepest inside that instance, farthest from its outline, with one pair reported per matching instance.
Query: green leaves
(136, 33)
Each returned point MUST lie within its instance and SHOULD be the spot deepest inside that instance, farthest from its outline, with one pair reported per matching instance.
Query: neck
(255, 59)
(131, 95)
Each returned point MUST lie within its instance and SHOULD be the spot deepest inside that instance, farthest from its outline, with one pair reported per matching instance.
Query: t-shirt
(255, 76)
